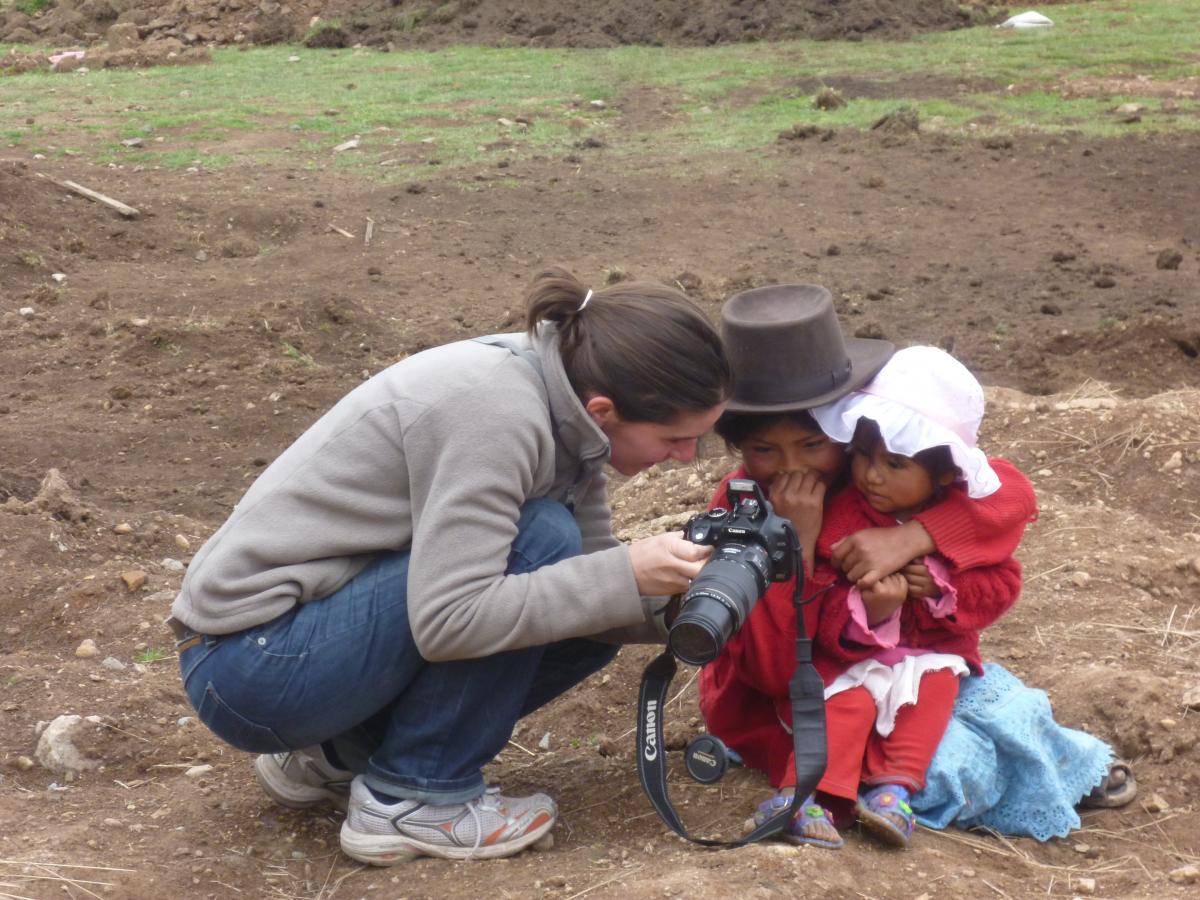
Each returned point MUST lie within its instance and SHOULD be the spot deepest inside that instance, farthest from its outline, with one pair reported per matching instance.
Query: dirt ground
(151, 367)
(543, 23)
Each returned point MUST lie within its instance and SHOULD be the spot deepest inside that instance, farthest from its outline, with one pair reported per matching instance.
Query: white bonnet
(923, 397)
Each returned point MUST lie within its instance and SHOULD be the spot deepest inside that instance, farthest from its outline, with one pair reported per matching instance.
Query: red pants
(858, 755)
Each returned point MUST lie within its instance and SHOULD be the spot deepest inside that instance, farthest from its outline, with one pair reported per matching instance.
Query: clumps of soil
(551, 23)
(165, 51)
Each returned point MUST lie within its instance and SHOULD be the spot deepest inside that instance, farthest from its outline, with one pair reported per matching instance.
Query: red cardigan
(744, 690)
(984, 594)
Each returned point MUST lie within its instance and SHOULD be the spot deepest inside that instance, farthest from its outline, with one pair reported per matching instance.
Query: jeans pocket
(234, 729)
(194, 656)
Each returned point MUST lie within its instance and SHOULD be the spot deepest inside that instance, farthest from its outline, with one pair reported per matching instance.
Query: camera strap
(806, 692)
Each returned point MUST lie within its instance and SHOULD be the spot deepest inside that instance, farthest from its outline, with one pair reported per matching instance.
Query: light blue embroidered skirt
(1005, 764)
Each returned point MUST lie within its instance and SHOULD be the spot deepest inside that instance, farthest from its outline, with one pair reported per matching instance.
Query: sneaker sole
(287, 793)
(391, 850)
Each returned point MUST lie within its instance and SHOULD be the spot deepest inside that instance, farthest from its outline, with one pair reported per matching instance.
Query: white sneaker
(488, 827)
(303, 778)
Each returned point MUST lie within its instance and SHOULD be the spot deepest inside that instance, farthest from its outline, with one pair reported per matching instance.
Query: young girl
(891, 654)
(788, 355)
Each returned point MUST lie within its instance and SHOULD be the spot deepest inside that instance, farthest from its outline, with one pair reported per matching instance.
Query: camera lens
(718, 602)
(701, 629)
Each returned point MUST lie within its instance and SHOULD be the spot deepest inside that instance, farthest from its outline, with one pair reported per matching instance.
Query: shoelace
(486, 801)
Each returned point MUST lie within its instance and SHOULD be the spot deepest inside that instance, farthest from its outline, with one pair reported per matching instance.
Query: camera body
(752, 548)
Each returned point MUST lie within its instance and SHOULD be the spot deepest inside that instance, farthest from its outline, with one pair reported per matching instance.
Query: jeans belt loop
(185, 637)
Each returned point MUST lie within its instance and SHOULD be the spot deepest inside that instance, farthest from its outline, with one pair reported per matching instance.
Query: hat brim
(867, 356)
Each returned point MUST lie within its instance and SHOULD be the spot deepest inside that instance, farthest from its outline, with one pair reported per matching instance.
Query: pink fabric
(886, 634)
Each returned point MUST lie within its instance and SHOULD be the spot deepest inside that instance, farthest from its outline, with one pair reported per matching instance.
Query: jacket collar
(576, 429)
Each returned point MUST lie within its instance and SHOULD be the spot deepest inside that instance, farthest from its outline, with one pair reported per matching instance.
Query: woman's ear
(602, 410)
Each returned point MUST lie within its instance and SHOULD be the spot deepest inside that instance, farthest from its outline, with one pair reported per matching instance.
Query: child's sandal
(810, 813)
(1117, 788)
(879, 808)
(813, 813)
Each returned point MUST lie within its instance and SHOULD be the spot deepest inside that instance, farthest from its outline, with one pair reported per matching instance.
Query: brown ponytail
(643, 345)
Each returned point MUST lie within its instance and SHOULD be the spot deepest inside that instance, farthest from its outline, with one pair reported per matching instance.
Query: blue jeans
(345, 670)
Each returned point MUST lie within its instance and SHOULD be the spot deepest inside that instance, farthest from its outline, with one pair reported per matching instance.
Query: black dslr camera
(753, 547)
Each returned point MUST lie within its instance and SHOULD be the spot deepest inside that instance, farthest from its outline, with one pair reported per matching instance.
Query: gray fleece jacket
(437, 454)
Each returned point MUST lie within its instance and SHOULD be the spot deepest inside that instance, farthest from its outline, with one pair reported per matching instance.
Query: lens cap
(706, 758)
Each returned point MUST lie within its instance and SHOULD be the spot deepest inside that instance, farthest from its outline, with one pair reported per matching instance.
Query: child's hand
(800, 497)
(866, 556)
(887, 596)
(920, 583)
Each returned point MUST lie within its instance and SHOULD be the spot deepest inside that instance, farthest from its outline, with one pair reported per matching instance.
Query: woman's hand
(868, 555)
(887, 596)
(800, 497)
(920, 582)
(666, 563)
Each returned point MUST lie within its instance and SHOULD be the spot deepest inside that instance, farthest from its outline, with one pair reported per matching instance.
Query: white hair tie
(586, 298)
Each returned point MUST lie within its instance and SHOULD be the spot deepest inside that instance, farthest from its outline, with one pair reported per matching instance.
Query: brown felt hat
(788, 352)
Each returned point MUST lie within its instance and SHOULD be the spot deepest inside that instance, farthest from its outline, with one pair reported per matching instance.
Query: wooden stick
(127, 211)
(370, 231)
(342, 231)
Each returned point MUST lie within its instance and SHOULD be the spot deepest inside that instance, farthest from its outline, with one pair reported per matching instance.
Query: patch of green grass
(151, 655)
(319, 26)
(30, 7)
(298, 355)
(417, 105)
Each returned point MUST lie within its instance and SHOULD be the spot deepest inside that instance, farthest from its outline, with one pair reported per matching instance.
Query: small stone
(1191, 698)
(134, 579)
(1156, 804)
(1185, 875)
(598, 104)
(1104, 281)
(182, 543)
(172, 565)
(1169, 259)
(1080, 579)
(544, 743)
(197, 771)
(1082, 849)
(351, 144)
(544, 843)
(1167, 724)
(1174, 462)
(113, 664)
(1085, 885)
(87, 649)
(123, 528)
(185, 721)
(112, 823)
(1051, 309)
(1195, 564)
(26, 312)
(133, 142)
(24, 763)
